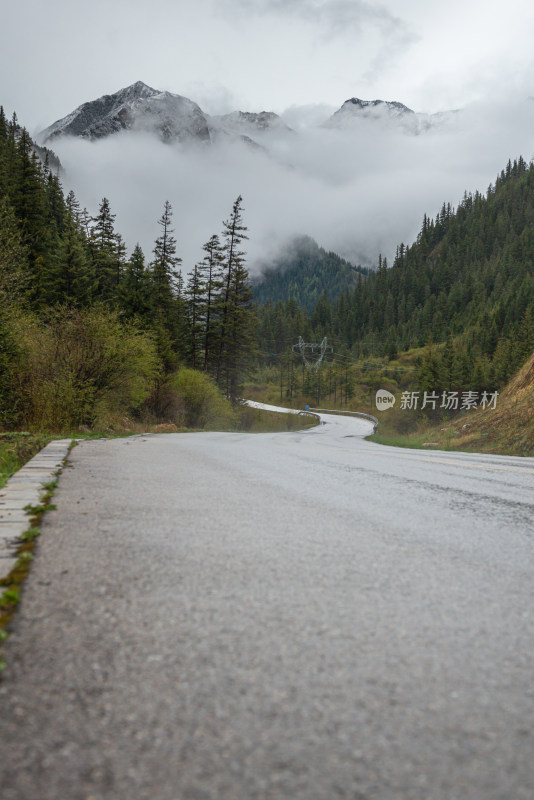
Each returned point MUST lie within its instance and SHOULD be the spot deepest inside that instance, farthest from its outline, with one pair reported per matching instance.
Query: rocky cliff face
(170, 116)
(137, 107)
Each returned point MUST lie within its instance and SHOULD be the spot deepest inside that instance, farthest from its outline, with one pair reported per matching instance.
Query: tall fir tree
(236, 313)
(194, 298)
(165, 273)
(210, 269)
(14, 279)
(103, 247)
(169, 311)
(135, 295)
(39, 228)
(75, 279)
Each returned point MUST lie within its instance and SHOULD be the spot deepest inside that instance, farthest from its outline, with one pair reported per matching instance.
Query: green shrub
(82, 367)
(9, 361)
(202, 404)
(16, 449)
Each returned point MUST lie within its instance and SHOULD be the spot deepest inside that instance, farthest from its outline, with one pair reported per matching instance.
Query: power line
(312, 353)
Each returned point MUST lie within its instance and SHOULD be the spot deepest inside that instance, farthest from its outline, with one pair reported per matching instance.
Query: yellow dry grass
(509, 428)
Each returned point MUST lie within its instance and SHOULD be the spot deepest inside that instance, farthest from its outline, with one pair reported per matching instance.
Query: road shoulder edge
(23, 500)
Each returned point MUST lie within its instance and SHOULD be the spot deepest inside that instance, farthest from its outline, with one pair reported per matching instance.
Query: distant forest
(304, 271)
(466, 283)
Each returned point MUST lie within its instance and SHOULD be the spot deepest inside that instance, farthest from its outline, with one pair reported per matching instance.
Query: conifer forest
(90, 334)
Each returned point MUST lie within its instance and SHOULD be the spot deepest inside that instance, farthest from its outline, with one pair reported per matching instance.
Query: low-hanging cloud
(358, 191)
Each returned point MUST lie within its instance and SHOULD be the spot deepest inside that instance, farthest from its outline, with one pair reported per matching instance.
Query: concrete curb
(25, 488)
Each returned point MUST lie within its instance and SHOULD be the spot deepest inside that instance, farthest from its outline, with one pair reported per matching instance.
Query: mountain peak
(391, 105)
(137, 89)
(140, 85)
(386, 112)
(246, 122)
(136, 107)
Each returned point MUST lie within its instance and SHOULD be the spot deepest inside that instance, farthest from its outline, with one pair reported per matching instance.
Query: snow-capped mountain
(244, 123)
(373, 109)
(386, 113)
(137, 107)
(174, 118)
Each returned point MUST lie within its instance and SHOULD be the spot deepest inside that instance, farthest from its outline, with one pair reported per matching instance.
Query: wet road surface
(300, 616)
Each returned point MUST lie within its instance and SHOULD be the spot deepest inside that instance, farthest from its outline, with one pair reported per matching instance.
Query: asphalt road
(300, 616)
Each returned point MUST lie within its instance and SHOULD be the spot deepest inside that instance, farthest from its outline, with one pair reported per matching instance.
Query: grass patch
(473, 432)
(16, 449)
(256, 420)
(30, 535)
(10, 592)
(413, 440)
(11, 586)
(477, 438)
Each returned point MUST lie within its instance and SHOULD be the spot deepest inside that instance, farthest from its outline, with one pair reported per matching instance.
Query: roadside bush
(9, 361)
(82, 367)
(164, 405)
(203, 404)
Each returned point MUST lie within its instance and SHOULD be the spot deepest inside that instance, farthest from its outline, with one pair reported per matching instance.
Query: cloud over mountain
(358, 181)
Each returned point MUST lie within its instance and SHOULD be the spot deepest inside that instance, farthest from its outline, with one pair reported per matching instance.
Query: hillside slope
(509, 428)
(464, 288)
(303, 272)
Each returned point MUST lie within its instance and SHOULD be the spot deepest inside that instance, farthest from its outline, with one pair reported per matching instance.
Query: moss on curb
(12, 585)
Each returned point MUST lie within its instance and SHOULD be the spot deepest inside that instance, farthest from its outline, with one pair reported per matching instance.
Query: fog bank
(358, 191)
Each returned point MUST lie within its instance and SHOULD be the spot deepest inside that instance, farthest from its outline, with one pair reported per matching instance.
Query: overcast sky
(358, 192)
(264, 54)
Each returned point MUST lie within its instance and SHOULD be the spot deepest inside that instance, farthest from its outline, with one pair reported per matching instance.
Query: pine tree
(9, 353)
(14, 278)
(103, 246)
(195, 316)
(135, 288)
(429, 376)
(120, 258)
(210, 270)
(526, 336)
(55, 201)
(74, 276)
(236, 332)
(165, 274)
(167, 289)
(71, 201)
(38, 227)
